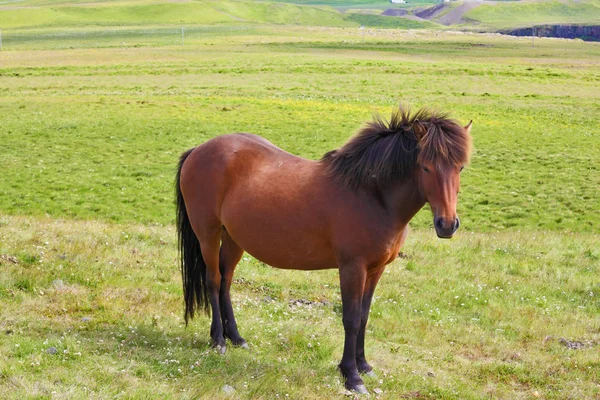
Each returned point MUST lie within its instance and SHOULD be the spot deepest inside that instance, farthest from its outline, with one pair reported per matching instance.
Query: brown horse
(349, 210)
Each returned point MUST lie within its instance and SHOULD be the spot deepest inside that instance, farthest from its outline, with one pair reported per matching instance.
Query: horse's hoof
(360, 389)
(371, 374)
(240, 343)
(220, 348)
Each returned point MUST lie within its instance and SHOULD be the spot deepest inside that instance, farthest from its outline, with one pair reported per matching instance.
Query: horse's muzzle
(445, 228)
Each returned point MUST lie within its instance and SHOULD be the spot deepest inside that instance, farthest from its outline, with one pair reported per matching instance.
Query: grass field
(131, 111)
(107, 298)
(91, 125)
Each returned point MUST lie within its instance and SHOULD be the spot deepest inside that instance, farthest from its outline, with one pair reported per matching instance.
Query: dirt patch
(572, 344)
(431, 12)
(394, 12)
(8, 259)
(575, 344)
(452, 16)
(455, 16)
(295, 303)
(414, 395)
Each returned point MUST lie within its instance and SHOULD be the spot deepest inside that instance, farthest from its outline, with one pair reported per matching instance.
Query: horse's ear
(419, 130)
(468, 127)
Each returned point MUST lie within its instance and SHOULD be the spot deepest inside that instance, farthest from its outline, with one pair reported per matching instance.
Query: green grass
(369, 20)
(515, 14)
(108, 298)
(91, 126)
(102, 135)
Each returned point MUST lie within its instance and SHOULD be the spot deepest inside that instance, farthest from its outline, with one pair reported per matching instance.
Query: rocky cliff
(585, 32)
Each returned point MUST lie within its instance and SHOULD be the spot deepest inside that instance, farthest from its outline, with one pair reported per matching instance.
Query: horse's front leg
(352, 284)
(370, 284)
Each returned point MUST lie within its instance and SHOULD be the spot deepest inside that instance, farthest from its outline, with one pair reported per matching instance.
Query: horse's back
(229, 156)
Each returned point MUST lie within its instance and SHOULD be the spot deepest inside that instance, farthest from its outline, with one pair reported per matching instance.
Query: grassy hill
(516, 14)
(360, 4)
(102, 14)
(342, 13)
(44, 14)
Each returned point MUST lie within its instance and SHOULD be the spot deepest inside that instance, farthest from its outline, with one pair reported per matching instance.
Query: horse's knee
(351, 325)
(213, 285)
(363, 319)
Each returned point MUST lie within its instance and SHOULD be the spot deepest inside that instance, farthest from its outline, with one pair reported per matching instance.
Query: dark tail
(193, 268)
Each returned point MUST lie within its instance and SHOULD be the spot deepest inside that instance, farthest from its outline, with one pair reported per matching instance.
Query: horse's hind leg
(230, 255)
(210, 240)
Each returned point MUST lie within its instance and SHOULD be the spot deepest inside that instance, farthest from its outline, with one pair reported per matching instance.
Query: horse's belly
(299, 262)
(283, 235)
(280, 248)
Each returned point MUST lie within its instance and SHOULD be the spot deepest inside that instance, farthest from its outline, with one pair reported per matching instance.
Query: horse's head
(443, 155)
(427, 147)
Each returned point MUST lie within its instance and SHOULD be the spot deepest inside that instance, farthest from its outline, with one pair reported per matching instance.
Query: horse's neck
(403, 201)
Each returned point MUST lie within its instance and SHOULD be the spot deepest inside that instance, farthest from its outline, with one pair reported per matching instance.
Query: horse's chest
(388, 249)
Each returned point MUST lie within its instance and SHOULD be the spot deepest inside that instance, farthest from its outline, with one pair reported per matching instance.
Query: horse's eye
(461, 168)
(426, 169)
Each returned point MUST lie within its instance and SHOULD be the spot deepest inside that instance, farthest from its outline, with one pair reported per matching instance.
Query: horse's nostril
(439, 223)
(456, 223)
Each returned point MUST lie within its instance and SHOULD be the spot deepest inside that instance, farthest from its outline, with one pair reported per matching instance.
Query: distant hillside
(494, 15)
(366, 4)
(515, 14)
(46, 13)
(484, 15)
(147, 13)
(554, 18)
